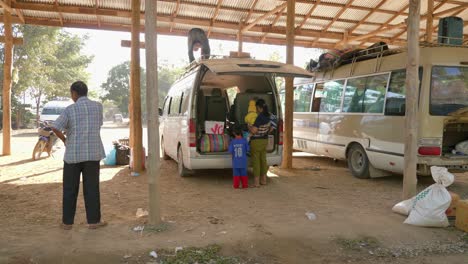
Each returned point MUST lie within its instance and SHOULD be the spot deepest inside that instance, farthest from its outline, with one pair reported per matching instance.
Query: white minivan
(52, 110)
(218, 90)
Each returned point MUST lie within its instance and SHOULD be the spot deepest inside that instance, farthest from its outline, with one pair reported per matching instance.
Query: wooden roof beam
(309, 14)
(96, 5)
(438, 6)
(215, 15)
(260, 18)
(216, 35)
(175, 14)
(252, 8)
(376, 32)
(278, 16)
(6, 6)
(367, 16)
(59, 12)
(124, 13)
(16, 41)
(343, 9)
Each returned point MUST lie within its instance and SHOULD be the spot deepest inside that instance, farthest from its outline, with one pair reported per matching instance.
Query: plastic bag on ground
(111, 158)
(429, 206)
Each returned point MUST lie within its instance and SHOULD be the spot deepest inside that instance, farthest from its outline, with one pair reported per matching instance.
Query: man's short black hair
(80, 88)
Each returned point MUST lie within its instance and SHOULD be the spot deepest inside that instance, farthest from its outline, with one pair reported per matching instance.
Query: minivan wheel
(163, 149)
(358, 163)
(180, 163)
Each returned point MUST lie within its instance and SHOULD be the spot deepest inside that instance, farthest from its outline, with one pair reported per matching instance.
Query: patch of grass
(205, 255)
(359, 243)
(157, 228)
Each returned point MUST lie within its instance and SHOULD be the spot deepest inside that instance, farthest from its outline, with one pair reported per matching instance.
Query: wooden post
(152, 104)
(135, 90)
(412, 85)
(240, 40)
(7, 67)
(289, 96)
(429, 20)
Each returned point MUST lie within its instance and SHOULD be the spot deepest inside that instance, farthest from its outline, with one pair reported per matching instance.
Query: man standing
(83, 152)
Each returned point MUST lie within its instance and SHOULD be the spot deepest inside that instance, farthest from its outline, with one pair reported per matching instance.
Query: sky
(172, 50)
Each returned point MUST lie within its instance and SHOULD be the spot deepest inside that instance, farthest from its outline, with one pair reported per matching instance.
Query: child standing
(239, 148)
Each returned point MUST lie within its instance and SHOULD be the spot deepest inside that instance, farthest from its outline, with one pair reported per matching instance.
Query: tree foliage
(117, 85)
(49, 60)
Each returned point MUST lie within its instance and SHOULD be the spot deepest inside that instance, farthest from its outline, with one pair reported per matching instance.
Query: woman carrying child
(259, 142)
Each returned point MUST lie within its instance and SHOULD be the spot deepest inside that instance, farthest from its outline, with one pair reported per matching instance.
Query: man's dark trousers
(71, 186)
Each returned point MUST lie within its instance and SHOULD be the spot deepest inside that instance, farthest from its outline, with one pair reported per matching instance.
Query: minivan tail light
(192, 137)
(280, 130)
(429, 151)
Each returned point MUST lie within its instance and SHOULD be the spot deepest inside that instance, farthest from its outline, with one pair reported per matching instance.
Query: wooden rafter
(343, 9)
(367, 16)
(438, 6)
(125, 13)
(174, 15)
(278, 16)
(215, 15)
(59, 12)
(429, 20)
(309, 14)
(260, 18)
(252, 8)
(6, 6)
(98, 18)
(386, 23)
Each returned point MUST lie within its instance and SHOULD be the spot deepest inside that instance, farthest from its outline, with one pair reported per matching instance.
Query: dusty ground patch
(266, 225)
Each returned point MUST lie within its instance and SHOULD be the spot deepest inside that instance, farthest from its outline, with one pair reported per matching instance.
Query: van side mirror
(160, 111)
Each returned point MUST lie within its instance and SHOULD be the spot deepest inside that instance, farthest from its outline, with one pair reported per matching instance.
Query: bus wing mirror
(160, 111)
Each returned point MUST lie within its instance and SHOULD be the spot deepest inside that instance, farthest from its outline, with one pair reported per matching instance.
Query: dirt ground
(354, 221)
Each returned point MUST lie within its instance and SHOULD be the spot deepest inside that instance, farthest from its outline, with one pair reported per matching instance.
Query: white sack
(403, 207)
(430, 205)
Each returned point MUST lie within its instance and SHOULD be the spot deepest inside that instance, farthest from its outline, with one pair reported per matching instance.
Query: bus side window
(331, 95)
(302, 98)
(318, 94)
(396, 95)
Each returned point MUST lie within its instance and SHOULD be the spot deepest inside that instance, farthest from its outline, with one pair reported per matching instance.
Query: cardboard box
(461, 221)
(452, 210)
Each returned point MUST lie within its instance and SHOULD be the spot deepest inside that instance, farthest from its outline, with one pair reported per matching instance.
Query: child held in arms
(250, 117)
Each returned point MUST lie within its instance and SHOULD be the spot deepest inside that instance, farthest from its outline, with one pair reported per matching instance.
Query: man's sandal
(66, 227)
(97, 225)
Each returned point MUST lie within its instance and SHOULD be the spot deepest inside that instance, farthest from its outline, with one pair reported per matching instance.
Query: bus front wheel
(358, 163)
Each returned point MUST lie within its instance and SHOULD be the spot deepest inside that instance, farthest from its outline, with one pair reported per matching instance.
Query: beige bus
(356, 112)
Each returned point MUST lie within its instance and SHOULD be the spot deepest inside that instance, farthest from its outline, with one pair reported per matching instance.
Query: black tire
(38, 149)
(181, 170)
(358, 163)
(165, 156)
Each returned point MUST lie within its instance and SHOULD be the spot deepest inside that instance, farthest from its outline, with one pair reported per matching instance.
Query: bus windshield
(449, 89)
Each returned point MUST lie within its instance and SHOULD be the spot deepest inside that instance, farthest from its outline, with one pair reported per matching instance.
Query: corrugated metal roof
(223, 17)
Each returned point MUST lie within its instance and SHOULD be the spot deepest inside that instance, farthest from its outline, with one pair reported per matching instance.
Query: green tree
(117, 86)
(47, 63)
